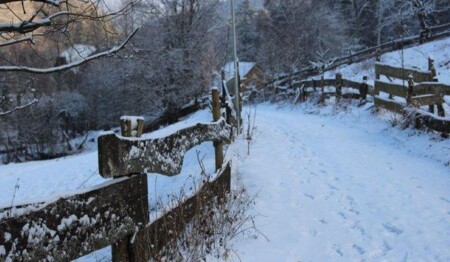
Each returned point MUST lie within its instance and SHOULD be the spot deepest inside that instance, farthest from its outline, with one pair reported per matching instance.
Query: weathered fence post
(133, 248)
(363, 89)
(131, 126)
(410, 90)
(338, 86)
(229, 117)
(433, 78)
(378, 55)
(322, 88)
(218, 146)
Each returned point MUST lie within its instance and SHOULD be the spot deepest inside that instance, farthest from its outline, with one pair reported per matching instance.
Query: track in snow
(345, 189)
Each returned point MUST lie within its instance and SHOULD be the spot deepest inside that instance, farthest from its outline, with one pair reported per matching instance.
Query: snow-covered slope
(43, 180)
(414, 57)
(332, 183)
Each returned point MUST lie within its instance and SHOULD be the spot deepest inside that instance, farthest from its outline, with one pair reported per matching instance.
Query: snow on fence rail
(116, 213)
(421, 89)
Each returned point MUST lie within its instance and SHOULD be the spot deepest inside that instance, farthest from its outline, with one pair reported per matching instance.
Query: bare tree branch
(49, 2)
(67, 66)
(28, 26)
(34, 101)
(13, 42)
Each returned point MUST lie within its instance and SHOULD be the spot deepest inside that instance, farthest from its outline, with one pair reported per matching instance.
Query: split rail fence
(434, 33)
(116, 213)
(402, 90)
(416, 89)
(339, 87)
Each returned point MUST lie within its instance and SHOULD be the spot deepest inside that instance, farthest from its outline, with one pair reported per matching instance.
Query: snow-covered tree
(246, 32)
(27, 30)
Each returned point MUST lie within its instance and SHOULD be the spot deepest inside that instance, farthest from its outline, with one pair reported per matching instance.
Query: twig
(16, 187)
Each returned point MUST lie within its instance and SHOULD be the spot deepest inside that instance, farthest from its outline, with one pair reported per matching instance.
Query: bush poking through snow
(220, 218)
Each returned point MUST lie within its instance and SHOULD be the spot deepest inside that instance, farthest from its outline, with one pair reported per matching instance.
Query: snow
(43, 181)
(133, 119)
(414, 57)
(332, 183)
(345, 186)
(244, 69)
(77, 53)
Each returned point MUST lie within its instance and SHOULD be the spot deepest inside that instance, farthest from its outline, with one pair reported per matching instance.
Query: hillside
(332, 183)
(414, 57)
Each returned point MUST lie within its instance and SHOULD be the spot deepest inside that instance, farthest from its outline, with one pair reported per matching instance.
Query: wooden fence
(435, 33)
(415, 89)
(307, 87)
(116, 213)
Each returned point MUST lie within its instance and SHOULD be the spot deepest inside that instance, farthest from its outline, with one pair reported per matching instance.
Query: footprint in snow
(338, 250)
(323, 221)
(359, 228)
(386, 247)
(392, 229)
(445, 200)
(309, 196)
(332, 187)
(356, 212)
(341, 214)
(359, 249)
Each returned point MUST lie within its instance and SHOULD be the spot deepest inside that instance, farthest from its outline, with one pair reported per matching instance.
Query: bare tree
(26, 25)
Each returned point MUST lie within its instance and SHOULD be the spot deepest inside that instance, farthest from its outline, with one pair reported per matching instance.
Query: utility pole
(236, 81)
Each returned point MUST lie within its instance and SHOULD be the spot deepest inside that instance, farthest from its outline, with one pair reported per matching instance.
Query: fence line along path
(117, 212)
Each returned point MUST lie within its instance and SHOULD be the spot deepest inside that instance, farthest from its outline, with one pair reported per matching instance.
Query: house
(251, 75)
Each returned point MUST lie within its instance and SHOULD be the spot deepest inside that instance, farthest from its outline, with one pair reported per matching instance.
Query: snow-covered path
(345, 188)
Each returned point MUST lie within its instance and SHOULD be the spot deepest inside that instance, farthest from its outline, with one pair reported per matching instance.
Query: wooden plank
(424, 100)
(437, 124)
(390, 88)
(329, 82)
(351, 84)
(423, 118)
(431, 88)
(77, 225)
(119, 156)
(169, 226)
(389, 105)
(400, 73)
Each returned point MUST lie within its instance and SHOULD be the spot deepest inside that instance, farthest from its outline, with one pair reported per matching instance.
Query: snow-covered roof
(244, 69)
(77, 53)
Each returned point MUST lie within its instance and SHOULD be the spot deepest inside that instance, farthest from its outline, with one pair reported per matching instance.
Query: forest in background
(175, 57)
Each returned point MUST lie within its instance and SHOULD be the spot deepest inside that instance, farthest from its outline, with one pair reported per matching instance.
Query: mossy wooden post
(322, 88)
(338, 86)
(218, 146)
(135, 247)
(364, 88)
(131, 126)
(378, 55)
(378, 59)
(314, 84)
(433, 78)
(410, 91)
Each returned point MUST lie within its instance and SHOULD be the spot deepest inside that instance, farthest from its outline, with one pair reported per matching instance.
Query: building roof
(244, 69)
(77, 53)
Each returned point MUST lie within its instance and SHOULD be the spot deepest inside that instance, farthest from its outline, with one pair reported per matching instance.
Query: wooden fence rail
(419, 88)
(77, 225)
(307, 87)
(116, 213)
